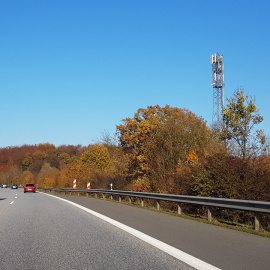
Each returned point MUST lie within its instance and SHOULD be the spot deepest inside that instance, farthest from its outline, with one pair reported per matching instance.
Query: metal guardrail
(244, 205)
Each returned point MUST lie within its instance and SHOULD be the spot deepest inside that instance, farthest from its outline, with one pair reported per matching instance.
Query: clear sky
(72, 70)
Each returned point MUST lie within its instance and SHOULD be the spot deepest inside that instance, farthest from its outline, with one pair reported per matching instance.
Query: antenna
(216, 61)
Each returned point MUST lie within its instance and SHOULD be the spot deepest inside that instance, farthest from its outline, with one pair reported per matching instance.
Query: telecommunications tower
(218, 88)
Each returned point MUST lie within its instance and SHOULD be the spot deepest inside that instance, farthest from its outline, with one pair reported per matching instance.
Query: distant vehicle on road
(29, 188)
(4, 185)
(14, 186)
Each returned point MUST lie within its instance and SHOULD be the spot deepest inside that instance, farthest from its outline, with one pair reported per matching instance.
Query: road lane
(180, 255)
(41, 232)
(224, 248)
(7, 197)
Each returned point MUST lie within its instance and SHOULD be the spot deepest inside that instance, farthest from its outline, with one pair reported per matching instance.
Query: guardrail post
(209, 214)
(120, 199)
(111, 197)
(103, 196)
(257, 222)
(95, 195)
(78, 193)
(179, 208)
(158, 205)
(141, 201)
(129, 199)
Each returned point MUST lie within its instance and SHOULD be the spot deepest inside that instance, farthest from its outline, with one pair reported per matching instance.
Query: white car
(4, 185)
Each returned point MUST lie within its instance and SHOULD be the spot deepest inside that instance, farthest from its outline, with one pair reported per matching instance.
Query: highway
(39, 231)
(221, 247)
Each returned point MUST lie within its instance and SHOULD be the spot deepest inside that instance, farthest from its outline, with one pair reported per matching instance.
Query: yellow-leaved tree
(94, 159)
(240, 117)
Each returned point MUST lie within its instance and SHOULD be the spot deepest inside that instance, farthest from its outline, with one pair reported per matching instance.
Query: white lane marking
(12, 202)
(16, 197)
(177, 253)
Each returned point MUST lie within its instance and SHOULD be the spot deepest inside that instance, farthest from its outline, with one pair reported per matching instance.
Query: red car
(29, 187)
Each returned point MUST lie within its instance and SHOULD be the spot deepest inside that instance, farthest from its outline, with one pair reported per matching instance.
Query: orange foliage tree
(48, 178)
(27, 177)
(160, 137)
(67, 175)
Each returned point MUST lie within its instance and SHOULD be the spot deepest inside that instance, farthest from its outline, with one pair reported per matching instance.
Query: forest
(160, 149)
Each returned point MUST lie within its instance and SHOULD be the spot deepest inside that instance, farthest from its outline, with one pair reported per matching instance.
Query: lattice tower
(218, 88)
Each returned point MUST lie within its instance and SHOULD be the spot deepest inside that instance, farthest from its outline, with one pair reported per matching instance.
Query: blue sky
(72, 70)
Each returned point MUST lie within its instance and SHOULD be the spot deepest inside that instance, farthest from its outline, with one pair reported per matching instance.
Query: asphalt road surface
(38, 231)
(221, 247)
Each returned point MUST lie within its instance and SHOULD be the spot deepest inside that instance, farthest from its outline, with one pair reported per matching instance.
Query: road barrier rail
(257, 207)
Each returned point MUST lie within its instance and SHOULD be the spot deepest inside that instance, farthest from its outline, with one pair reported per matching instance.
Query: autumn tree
(134, 132)
(9, 175)
(26, 177)
(118, 172)
(225, 176)
(94, 158)
(182, 138)
(65, 159)
(160, 137)
(48, 177)
(240, 117)
(68, 174)
(27, 162)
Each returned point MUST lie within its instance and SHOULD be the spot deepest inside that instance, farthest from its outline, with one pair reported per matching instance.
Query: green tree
(240, 117)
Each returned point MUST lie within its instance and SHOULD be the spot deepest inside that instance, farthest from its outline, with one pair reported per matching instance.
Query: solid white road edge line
(178, 254)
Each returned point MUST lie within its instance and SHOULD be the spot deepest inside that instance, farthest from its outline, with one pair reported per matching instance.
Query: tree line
(160, 149)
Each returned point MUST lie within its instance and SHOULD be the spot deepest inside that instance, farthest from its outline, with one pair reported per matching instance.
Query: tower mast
(218, 88)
